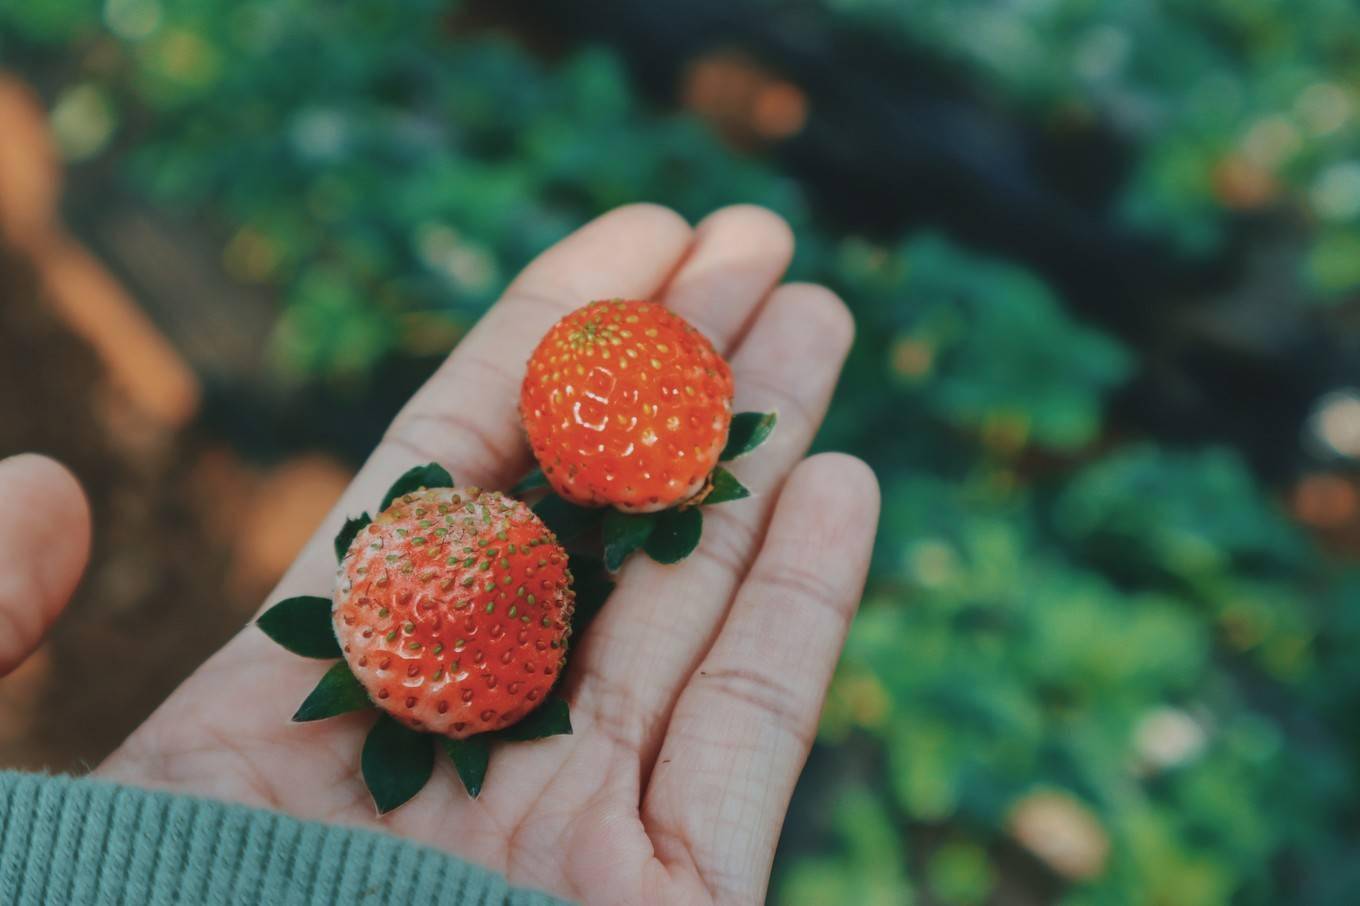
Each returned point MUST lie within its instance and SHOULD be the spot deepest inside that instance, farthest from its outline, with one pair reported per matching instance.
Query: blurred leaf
(960, 872)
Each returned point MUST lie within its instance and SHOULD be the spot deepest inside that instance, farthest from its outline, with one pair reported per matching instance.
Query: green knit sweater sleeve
(81, 841)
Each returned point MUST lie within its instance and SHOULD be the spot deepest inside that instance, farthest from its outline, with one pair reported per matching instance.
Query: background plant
(1094, 665)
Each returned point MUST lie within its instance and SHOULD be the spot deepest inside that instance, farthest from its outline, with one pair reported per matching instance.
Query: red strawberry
(453, 608)
(626, 405)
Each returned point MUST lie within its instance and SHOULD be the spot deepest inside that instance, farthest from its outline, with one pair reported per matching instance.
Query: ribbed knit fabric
(71, 842)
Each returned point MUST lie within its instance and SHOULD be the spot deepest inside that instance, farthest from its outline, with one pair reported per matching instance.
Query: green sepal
(351, 528)
(302, 625)
(552, 718)
(396, 762)
(531, 482)
(566, 520)
(725, 488)
(593, 587)
(624, 533)
(675, 535)
(748, 431)
(339, 692)
(431, 475)
(470, 758)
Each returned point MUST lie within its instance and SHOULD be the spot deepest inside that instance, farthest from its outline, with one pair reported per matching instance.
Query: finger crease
(778, 701)
(768, 387)
(722, 550)
(613, 708)
(802, 584)
(687, 847)
(489, 367)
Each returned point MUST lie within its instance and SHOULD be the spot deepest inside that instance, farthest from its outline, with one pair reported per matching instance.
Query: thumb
(44, 544)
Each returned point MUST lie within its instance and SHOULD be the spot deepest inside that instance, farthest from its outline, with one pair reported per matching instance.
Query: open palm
(695, 694)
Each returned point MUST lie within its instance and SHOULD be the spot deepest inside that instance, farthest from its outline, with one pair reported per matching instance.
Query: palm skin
(695, 694)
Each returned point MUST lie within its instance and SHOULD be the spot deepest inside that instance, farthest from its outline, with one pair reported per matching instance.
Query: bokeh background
(1105, 258)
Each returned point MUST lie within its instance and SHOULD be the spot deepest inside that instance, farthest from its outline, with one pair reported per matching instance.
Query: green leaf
(432, 475)
(470, 758)
(396, 762)
(748, 431)
(302, 625)
(624, 533)
(346, 537)
(676, 535)
(552, 718)
(593, 587)
(531, 482)
(339, 692)
(566, 520)
(725, 488)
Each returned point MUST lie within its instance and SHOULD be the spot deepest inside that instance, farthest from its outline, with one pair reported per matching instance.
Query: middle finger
(661, 619)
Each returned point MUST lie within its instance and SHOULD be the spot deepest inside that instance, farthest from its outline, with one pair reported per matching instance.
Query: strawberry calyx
(667, 536)
(747, 431)
(397, 758)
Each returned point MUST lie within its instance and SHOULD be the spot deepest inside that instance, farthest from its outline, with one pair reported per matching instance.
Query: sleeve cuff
(78, 841)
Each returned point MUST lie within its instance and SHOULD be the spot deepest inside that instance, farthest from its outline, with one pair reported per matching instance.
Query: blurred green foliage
(1235, 105)
(1109, 670)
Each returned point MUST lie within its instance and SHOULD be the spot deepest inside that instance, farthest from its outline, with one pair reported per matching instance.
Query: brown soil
(187, 537)
(165, 585)
(156, 598)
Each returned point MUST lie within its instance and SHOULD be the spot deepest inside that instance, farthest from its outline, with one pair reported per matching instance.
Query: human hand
(696, 692)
